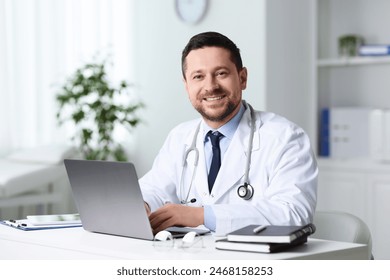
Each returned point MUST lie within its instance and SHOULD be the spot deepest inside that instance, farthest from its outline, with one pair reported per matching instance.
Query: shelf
(352, 61)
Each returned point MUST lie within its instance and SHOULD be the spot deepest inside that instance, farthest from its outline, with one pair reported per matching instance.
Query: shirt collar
(229, 128)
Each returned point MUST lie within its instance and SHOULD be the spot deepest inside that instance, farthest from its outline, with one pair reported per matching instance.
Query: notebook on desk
(109, 199)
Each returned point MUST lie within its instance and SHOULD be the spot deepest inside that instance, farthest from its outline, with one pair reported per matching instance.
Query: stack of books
(374, 50)
(265, 239)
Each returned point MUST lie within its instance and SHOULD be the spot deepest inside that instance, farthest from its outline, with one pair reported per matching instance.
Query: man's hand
(176, 215)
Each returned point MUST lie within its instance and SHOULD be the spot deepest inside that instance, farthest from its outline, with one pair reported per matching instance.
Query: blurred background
(323, 64)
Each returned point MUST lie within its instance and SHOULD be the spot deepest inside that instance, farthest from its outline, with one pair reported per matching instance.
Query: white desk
(76, 243)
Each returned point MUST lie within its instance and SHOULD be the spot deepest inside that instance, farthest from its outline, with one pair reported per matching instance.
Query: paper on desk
(61, 219)
(26, 225)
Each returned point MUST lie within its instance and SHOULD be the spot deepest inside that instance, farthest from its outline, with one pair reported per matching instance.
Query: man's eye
(197, 77)
(222, 73)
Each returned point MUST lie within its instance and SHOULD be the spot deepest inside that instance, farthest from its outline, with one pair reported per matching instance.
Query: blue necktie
(216, 160)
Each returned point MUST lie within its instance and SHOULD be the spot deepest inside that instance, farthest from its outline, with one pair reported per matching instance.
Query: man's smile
(214, 98)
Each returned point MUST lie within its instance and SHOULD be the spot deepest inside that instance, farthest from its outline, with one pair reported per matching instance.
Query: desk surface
(76, 243)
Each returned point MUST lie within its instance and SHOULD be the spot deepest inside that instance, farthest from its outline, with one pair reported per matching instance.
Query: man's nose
(211, 84)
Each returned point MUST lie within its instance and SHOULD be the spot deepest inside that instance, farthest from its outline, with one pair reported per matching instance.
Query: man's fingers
(162, 218)
(175, 215)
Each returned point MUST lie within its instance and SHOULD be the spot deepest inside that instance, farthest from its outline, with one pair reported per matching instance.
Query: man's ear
(243, 74)
(185, 84)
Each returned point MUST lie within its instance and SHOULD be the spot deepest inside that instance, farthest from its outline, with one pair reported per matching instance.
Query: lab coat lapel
(234, 162)
(200, 180)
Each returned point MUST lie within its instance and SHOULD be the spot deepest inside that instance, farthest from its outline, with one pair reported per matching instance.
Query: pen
(259, 228)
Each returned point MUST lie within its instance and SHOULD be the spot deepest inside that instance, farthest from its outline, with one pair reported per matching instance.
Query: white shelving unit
(304, 74)
(358, 186)
(357, 81)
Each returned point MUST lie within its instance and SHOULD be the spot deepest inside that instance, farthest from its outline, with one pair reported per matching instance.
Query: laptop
(109, 199)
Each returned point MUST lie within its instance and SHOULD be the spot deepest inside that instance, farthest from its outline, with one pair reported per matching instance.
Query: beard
(228, 110)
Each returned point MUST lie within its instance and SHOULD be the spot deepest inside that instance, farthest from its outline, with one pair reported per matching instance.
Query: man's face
(214, 85)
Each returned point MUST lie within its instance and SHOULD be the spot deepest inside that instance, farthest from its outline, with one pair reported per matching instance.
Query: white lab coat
(283, 173)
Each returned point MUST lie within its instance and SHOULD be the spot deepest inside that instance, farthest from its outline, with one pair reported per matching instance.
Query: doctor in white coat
(268, 173)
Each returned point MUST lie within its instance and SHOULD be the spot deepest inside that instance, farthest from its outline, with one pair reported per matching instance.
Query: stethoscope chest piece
(245, 191)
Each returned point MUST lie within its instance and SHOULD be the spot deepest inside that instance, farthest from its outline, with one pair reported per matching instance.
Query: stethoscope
(244, 191)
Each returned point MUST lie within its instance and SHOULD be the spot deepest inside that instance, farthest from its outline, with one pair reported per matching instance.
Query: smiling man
(234, 166)
(214, 84)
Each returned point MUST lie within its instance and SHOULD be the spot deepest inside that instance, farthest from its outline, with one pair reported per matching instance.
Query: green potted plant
(349, 45)
(95, 107)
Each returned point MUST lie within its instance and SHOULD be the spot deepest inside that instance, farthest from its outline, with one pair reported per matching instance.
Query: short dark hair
(211, 39)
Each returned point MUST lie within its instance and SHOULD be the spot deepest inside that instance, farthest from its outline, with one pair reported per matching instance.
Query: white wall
(160, 38)
(290, 55)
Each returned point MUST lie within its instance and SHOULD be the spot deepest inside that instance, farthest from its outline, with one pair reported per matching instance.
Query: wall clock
(191, 11)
